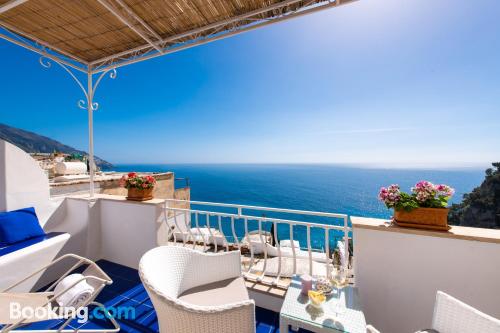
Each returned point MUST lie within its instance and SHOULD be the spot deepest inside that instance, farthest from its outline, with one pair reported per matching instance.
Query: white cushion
(288, 243)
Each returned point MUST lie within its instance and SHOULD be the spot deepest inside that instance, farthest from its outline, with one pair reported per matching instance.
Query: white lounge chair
(286, 251)
(47, 299)
(285, 261)
(193, 291)
(180, 230)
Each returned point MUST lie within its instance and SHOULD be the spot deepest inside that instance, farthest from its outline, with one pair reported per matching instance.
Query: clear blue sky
(376, 82)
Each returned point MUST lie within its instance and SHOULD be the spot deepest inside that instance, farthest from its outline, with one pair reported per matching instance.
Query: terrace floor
(128, 291)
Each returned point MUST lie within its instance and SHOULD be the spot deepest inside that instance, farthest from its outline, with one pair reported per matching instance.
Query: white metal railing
(230, 229)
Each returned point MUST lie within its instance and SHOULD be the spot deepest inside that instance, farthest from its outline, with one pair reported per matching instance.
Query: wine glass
(339, 276)
(339, 280)
(339, 306)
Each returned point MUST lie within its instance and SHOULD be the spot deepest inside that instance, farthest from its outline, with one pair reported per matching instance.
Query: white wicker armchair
(454, 316)
(193, 291)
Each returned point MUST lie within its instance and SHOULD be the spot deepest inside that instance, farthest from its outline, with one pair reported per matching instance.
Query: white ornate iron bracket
(92, 87)
(85, 104)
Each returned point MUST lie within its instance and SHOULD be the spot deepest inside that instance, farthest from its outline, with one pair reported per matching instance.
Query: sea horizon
(388, 166)
(346, 189)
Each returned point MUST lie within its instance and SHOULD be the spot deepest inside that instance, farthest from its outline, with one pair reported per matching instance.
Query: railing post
(235, 236)
(210, 231)
(309, 249)
(346, 244)
(264, 245)
(247, 235)
(327, 252)
(293, 250)
(226, 243)
(280, 258)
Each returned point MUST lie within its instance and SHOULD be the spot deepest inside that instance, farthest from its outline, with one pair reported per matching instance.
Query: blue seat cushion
(26, 243)
(19, 225)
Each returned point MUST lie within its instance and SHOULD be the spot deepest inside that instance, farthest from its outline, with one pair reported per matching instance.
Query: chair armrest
(371, 329)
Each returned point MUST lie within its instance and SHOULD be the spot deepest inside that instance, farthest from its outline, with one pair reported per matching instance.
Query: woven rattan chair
(193, 291)
(454, 316)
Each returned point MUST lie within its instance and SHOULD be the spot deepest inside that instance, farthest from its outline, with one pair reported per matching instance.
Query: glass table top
(346, 317)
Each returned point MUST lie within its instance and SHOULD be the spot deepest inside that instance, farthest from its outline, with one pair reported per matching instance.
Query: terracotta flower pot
(139, 194)
(423, 218)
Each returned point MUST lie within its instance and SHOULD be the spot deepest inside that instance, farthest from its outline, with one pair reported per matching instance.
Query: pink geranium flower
(133, 180)
(423, 194)
(390, 196)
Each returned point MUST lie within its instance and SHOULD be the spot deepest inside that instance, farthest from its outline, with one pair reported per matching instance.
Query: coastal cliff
(34, 143)
(481, 207)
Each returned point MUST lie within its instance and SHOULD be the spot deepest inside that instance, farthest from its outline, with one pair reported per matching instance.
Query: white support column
(90, 97)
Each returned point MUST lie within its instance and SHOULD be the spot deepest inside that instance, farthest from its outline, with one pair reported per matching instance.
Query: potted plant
(140, 188)
(423, 208)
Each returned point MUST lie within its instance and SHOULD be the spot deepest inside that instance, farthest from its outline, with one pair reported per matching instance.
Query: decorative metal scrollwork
(82, 103)
(45, 62)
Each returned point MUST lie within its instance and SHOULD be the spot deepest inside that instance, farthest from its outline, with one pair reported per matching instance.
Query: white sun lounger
(181, 230)
(46, 299)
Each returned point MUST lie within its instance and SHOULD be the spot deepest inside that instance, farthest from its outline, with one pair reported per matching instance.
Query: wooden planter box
(423, 218)
(137, 194)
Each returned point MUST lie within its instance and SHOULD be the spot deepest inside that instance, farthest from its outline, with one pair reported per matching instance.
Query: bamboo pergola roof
(95, 35)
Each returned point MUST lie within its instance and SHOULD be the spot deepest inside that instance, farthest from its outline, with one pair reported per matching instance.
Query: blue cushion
(19, 225)
(25, 243)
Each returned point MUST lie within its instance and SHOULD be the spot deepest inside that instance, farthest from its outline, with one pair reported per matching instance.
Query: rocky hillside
(481, 207)
(33, 143)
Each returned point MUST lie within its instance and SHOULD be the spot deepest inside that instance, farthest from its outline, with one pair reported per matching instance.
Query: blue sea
(328, 188)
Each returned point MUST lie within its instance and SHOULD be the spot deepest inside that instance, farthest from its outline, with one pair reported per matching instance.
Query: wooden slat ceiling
(87, 30)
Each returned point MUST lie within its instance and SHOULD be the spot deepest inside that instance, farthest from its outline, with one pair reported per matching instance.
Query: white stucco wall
(398, 275)
(23, 183)
(128, 230)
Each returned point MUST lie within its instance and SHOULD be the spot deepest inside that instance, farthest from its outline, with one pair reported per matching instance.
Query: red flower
(132, 174)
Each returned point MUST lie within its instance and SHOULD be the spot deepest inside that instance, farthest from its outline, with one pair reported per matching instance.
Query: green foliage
(481, 207)
(407, 202)
(439, 202)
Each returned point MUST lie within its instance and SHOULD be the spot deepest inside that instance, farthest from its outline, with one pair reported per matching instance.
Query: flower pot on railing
(140, 188)
(423, 208)
(423, 218)
(138, 194)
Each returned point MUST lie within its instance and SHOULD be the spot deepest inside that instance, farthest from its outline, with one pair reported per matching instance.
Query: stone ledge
(111, 197)
(456, 232)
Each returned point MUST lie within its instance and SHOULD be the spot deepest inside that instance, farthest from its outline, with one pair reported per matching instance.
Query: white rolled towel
(76, 295)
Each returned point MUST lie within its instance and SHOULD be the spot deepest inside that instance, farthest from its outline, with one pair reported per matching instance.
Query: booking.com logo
(82, 315)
